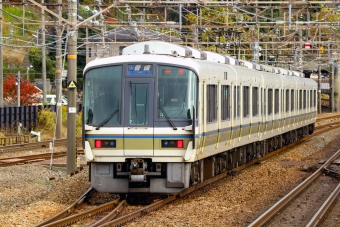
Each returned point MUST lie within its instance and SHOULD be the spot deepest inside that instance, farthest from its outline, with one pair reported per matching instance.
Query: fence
(11, 117)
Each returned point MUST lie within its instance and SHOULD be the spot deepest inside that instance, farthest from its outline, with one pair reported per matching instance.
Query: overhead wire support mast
(71, 90)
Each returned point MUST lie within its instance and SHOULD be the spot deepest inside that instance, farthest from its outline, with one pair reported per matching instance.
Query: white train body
(174, 118)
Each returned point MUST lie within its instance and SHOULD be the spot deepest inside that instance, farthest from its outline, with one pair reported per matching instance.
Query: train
(162, 117)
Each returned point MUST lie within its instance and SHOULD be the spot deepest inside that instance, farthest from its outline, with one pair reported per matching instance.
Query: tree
(35, 59)
(29, 94)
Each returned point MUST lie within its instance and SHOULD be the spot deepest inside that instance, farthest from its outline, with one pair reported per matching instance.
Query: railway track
(114, 208)
(332, 117)
(37, 145)
(300, 196)
(30, 158)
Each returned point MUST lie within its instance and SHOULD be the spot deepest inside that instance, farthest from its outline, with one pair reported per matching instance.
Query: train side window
(300, 99)
(225, 102)
(264, 106)
(255, 101)
(282, 100)
(292, 99)
(314, 98)
(310, 98)
(287, 100)
(304, 99)
(270, 101)
(236, 102)
(246, 101)
(276, 103)
(211, 103)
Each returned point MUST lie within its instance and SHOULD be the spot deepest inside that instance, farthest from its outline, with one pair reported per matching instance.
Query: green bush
(47, 120)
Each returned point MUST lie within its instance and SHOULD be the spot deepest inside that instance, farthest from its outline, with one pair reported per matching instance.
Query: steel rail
(124, 219)
(328, 117)
(269, 214)
(29, 159)
(68, 209)
(82, 215)
(111, 215)
(324, 208)
(37, 145)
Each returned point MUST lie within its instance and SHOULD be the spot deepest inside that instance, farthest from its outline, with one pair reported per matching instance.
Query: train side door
(138, 116)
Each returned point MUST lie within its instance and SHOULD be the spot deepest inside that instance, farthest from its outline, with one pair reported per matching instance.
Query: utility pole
(71, 86)
(1, 61)
(336, 87)
(43, 53)
(18, 81)
(58, 75)
(331, 86)
(319, 88)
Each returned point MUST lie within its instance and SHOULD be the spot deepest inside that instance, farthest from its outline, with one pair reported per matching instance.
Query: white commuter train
(162, 117)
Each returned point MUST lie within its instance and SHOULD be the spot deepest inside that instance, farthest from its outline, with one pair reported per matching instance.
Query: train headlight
(172, 144)
(98, 143)
(104, 143)
(179, 143)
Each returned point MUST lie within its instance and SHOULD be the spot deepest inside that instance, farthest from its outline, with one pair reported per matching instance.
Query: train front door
(138, 116)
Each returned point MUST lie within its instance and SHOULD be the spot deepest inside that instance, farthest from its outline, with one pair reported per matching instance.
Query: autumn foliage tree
(29, 94)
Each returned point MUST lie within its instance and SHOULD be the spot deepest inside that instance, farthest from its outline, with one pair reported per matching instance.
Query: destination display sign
(140, 69)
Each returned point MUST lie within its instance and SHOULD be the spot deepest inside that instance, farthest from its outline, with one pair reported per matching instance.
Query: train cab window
(225, 102)
(276, 103)
(177, 92)
(246, 95)
(102, 96)
(292, 100)
(211, 103)
(236, 102)
(270, 101)
(255, 101)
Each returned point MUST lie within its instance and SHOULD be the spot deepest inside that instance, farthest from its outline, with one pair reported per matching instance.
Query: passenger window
(246, 101)
(236, 102)
(270, 101)
(211, 103)
(225, 102)
(276, 104)
(255, 101)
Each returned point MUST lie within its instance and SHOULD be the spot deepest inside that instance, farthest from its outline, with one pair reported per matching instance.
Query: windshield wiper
(107, 119)
(168, 118)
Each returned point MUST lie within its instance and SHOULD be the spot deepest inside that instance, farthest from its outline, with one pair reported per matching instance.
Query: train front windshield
(176, 94)
(102, 95)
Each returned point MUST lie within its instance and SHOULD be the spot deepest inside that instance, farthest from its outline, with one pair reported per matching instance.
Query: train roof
(183, 52)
